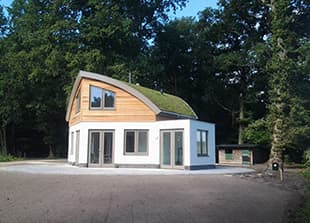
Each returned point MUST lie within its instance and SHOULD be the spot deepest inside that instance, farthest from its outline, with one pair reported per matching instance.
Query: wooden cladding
(128, 108)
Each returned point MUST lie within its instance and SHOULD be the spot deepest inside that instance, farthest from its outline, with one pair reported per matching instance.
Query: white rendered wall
(194, 158)
(173, 125)
(189, 141)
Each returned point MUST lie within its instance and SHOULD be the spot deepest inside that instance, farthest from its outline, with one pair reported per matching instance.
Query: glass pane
(142, 142)
(77, 146)
(72, 141)
(78, 102)
(198, 138)
(95, 97)
(178, 150)
(204, 142)
(130, 142)
(109, 99)
(108, 147)
(94, 147)
(166, 148)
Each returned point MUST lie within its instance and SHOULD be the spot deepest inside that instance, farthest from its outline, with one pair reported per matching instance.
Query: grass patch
(7, 158)
(304, 216)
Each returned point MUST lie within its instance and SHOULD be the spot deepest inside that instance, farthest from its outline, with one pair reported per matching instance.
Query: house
(241, 154)
(117, 124)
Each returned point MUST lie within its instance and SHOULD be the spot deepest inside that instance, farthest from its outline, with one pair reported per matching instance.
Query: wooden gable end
(128, 108)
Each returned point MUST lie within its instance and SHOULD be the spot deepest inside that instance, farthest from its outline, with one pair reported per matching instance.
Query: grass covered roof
(166, 102)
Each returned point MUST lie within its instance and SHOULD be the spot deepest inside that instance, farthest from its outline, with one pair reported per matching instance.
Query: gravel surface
(26, 197)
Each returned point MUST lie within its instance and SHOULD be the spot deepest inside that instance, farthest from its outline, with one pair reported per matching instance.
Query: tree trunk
(51, 153)
(276, 152)
(280, 70)
(241, 121)
(3, 145)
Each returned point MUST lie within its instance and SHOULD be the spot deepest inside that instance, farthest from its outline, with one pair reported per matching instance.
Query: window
(109, 99)
(136, 142)
(202, 142)
(100, 98)
(78, 102)
(95, 97)
(228, 154)
(72, 143)
(77, 146)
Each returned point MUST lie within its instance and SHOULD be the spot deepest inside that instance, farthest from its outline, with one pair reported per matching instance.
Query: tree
(239, 28)
(286, 111)
(3, 146)
(45, 45)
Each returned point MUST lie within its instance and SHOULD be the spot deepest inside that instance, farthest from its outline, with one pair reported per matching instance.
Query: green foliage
(307, 159)
(8, 158)
(258, 133)
(289, 103)
(166, 102)
(43, 44)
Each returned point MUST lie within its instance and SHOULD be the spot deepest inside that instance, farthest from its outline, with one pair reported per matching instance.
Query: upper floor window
(78, 102)
(202, 142)
(101, 98)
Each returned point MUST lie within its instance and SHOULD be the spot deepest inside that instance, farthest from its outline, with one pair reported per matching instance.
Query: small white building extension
(117, 124)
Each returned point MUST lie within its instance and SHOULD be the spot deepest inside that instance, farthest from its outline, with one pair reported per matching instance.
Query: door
(172, 149)
(101, 144)
(246, 159)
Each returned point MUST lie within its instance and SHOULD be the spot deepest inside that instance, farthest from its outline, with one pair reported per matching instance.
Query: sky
(191, 9)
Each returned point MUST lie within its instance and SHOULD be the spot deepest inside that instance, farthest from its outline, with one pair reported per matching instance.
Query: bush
(258, 133)
(7, 158)
(307, 158)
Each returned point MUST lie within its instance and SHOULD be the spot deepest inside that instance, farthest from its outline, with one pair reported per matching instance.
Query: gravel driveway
(26, 197)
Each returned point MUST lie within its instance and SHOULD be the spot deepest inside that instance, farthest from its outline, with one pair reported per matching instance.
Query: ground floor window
(136, 142)
(202, 142)
(228, 154)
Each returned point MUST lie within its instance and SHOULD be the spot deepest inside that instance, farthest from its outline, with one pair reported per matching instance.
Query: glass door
(172, 148)
(178, 148)
(94, 148)
(166, 149)
(108, 147)
(100, 147)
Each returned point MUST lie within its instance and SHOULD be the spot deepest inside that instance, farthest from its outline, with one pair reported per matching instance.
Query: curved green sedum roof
(166, 102)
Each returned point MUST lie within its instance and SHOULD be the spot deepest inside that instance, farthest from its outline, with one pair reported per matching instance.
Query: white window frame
(200, 152)
(103, 92)
(136, 142)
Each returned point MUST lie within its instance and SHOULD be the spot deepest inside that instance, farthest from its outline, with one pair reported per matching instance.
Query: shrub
(307, 158)
(7, 158)
(258, 133)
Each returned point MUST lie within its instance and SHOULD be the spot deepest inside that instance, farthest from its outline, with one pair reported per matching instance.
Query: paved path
(43, 167)
(204, 198)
